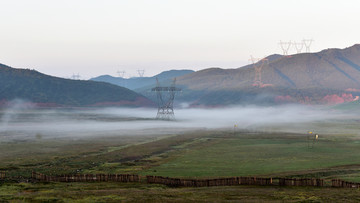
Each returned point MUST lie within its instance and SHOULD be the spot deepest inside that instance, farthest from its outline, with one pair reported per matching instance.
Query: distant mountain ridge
(332, 68)
(44, 90)
(297, 78)
(331, 76)
(136, 83)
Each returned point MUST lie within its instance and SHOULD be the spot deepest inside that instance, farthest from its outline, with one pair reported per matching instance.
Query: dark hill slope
(36, 87)
(139, 83)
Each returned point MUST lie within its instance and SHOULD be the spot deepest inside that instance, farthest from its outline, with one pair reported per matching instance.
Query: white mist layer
(25, 122)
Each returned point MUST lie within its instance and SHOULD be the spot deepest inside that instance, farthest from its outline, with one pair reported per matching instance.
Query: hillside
(137, 83)
(35, 87)
(331, 68)
(307, 77)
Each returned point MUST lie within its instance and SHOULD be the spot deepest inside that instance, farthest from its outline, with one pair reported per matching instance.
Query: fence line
(2, 175)
(87, 177)
(179, 182)
(176, 182)
(345, 184)
(301, 182)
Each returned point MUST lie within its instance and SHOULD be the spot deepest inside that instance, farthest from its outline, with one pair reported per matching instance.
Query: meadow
(195, 153)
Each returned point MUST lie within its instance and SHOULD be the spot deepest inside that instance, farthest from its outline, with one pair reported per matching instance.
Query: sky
(97, 37)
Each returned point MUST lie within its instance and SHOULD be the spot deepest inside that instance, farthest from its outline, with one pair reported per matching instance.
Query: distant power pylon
(141, 73)
(307, 43)
(165, 99)
(258, 64)
(298, 46)
(121, 73)
(75, 76)
(285, 46)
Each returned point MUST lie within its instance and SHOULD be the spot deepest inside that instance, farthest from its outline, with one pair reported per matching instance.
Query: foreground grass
(195, 154)
(135, 192)
(244, 155)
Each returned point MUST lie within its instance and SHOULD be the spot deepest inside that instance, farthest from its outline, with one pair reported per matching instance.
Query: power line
(165, 99)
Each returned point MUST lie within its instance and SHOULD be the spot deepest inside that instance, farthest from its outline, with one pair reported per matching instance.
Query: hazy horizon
(93, 38)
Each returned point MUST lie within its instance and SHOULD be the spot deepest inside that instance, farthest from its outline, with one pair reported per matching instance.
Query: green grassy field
(250, 155)
(207, 153)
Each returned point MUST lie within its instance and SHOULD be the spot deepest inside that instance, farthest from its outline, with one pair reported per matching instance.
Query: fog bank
(23, 122)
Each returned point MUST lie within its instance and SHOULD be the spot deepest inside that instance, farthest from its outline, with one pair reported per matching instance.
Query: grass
(135, 192)
(196, 154)
(244, 156)
(92, 155)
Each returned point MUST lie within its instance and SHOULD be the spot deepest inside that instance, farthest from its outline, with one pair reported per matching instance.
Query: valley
(267, 149)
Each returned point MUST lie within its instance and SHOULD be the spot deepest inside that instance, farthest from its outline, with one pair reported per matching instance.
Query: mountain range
(332, 68)
(141, 83)
(44, 90)
(329, 76)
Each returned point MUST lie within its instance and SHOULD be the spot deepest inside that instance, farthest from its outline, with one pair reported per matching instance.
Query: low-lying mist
(26, 122)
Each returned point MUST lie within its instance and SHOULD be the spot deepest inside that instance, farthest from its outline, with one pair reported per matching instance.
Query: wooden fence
(87, 177)
(177, 182)
(2, 174)
(342, 183)
(301, 182)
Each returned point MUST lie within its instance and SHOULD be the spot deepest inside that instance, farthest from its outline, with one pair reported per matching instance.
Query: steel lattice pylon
(285, 46)
(258, 64)
(307, 43)
(165, 102)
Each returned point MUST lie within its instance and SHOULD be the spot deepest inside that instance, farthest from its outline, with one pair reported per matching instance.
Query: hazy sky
(95, 37)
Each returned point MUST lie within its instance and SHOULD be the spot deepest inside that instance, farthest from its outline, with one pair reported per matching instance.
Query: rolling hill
(44, 90)
(140, 83)
(329, 76)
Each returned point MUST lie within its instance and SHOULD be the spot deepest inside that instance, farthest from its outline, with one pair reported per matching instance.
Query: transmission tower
(298, 46)
(285, 46)
(307, 43)
(75, 76)
(121, 73)
(258, 64)
(165, 99)
(141, 73)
